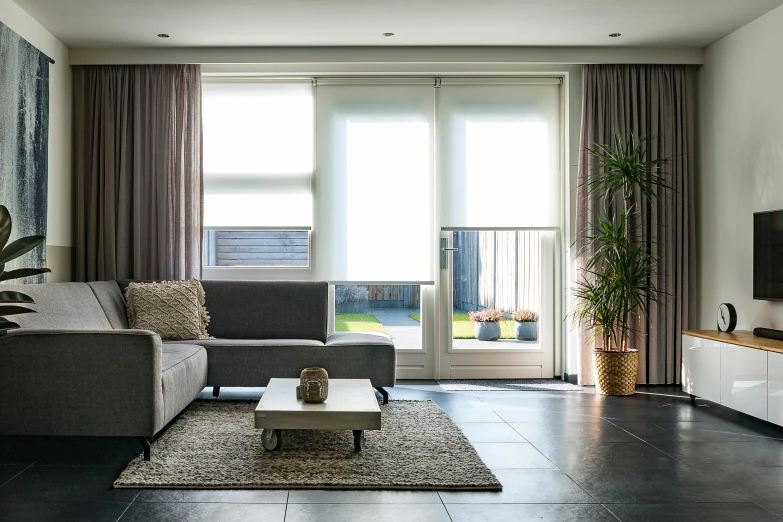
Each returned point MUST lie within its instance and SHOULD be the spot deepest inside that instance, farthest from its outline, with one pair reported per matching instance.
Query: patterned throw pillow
(173, 309)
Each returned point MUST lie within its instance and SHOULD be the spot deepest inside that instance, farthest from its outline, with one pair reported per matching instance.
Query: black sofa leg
(384, 393)
(145, 442)
(215, 391)
(693, 398)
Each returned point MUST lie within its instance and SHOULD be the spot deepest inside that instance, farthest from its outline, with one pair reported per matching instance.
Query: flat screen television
(768, 255)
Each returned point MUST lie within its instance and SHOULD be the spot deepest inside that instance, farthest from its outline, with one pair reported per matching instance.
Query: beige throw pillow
(173, 309)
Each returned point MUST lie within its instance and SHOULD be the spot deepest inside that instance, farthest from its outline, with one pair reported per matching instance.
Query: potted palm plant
(616, 285)
(525, 325)
(9, 300)
(487, 324)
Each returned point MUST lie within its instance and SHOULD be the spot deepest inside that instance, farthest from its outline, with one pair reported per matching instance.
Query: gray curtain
(653, 101)
(139, 173)
(24, 143)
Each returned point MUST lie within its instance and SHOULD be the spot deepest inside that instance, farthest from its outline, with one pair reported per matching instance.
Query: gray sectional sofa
(75, 368)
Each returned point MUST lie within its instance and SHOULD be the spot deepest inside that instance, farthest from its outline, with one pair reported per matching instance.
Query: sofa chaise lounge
(75, 368)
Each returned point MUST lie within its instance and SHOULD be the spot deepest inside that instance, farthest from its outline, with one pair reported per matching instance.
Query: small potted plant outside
(525, 325)
(487, 324)
(352, 299)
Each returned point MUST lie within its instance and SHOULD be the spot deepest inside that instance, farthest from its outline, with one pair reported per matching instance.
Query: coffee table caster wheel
(272, 440)
(359, 440)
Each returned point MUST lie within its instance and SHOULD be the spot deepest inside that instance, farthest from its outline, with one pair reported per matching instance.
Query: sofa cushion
(238, 362)
(112, 301)
(267, 309)
(184, 376)
(173, 309)
(358, 338)
(69, 306)
(260, 343)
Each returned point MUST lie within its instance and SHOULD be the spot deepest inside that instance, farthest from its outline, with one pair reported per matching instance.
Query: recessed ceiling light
(615, 35)
(388, 34)
(163, 35)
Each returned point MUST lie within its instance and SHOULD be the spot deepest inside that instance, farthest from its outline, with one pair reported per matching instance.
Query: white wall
(741, 167)
(59, 219)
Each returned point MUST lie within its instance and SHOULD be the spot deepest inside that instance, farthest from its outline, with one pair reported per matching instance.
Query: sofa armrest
(81, 382)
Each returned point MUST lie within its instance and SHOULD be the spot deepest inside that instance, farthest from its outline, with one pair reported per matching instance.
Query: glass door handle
(444, 247)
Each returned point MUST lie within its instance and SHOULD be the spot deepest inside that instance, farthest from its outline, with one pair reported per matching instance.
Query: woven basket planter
(615, 372)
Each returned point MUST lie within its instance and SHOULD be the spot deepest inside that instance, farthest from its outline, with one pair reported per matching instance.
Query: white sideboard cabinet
(737, 370)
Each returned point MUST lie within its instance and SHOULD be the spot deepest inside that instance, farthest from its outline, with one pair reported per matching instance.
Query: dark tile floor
(560, 456)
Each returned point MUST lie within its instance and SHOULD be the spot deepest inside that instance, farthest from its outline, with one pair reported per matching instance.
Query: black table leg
(146, 443)
(384, 393)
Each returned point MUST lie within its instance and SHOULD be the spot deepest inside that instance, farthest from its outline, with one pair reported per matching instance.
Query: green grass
(358, 323)
(462, 326)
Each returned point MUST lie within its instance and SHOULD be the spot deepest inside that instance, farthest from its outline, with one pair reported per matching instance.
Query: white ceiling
(135, 23)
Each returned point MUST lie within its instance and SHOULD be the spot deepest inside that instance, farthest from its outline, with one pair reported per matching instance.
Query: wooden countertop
(740, 337)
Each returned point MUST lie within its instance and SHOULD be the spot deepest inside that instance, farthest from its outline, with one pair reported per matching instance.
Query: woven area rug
(508, 385)
(214, 445)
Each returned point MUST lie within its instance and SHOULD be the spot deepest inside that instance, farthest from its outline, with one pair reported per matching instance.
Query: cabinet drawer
(744, 379)
(775, 388)
(701, 367)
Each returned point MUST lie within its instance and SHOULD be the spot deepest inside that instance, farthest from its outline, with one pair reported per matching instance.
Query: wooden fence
(497, 270)
(393, 296)
(287, 248)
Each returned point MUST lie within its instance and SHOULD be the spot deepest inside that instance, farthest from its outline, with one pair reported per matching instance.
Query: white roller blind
(258, 154)
(373, 188)
(499, 154)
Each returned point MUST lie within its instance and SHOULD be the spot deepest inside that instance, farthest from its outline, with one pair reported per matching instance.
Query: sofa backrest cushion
(112, 301)
(71, 306)
(267, 309)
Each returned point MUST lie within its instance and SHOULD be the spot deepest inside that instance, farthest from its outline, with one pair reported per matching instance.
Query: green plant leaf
(15, 310)
(22, 272)
(5, 226)
(15, 297)
(622, 169)
(7, 325)
(20, 247)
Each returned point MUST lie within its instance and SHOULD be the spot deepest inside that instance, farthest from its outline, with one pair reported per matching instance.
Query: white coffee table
(351, 405)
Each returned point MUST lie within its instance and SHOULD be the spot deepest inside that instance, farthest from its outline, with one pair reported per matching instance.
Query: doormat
(508, 385)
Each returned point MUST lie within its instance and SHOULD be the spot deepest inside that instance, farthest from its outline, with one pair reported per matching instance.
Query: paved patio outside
(405, 332)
